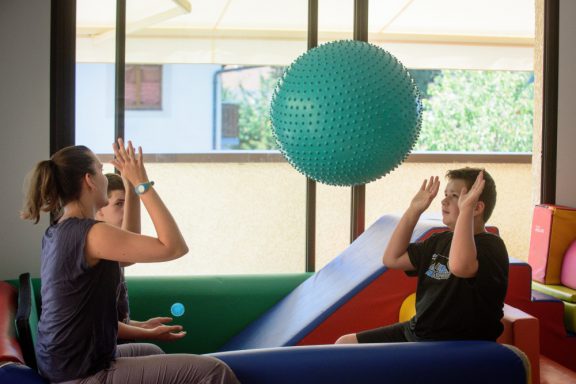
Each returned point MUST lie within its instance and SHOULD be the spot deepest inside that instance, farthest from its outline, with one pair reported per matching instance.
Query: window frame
(62, 95)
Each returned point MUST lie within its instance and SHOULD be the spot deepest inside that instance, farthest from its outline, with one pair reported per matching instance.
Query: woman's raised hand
(130, 164)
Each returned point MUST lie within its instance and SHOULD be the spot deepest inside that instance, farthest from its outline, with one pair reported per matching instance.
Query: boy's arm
(131, 218)
(463, 260)
(395, 255)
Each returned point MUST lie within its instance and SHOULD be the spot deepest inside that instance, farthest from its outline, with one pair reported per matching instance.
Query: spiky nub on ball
(346, 113)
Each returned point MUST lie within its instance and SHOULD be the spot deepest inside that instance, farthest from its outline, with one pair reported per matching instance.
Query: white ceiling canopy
(464, 34)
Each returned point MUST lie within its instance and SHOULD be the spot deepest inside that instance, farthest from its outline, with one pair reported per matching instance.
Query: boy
(462, 273)
(129, 219)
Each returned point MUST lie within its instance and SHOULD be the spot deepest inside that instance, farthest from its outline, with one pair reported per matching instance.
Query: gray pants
(147, 364)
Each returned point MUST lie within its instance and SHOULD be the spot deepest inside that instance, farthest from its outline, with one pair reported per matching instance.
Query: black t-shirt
(453, 308)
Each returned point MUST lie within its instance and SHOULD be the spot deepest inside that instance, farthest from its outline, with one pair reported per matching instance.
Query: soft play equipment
(334, 364)
(553, 229)
(27, 319)
(568, 298)
(568, 273)
(553, 257)
(346, 113)
(309, 314)
(19, 374)
(220, 307)
(12, 363)
(470, 362)
(520, 330)
(9, 347)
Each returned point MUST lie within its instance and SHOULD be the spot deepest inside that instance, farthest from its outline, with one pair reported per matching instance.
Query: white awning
(463, 34)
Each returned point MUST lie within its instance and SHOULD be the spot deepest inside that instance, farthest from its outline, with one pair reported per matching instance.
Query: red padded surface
(9, 347)
(376, 305)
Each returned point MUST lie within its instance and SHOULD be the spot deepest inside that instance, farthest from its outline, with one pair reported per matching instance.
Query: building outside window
(143, 87)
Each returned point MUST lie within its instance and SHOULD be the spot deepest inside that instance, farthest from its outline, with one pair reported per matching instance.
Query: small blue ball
(177, 309)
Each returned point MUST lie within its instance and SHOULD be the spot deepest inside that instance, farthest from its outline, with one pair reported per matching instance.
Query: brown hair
(58, 181)
(115, 183)
(488, 195)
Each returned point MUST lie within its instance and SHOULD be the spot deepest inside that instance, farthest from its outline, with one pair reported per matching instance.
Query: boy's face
(450, 210)
(113, 213)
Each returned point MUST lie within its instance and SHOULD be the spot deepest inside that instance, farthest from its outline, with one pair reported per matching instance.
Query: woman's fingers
(124, 152)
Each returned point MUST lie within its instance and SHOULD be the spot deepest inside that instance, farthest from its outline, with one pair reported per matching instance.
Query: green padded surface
(558, 291)
(216, 307)
(570, 316)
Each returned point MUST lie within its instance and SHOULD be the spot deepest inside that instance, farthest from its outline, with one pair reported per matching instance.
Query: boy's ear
(479, 208)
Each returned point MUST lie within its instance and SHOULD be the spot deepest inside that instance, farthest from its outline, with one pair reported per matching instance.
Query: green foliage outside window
(472, 111)
(478, 111)
(255, 131)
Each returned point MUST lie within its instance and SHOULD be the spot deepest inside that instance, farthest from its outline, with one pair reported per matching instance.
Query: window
(205, 92)
(246, 93)
(476, 111)
(143, 88)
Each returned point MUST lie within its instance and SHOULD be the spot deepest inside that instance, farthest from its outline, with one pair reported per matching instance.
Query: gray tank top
(79, 323)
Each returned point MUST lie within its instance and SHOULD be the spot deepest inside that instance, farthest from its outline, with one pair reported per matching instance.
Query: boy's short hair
(488, 195)
(115, 183)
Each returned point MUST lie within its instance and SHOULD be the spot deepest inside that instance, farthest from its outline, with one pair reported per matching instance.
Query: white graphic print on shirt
(438, 268)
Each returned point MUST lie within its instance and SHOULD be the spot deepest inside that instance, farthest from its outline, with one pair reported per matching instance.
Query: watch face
(141, 188)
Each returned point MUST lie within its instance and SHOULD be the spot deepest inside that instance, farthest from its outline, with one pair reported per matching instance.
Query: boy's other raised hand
(468, 199)
(425, 195)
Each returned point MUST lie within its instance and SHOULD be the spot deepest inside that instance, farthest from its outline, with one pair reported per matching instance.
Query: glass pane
(236, 218)
(335, 22)
(472, 62)
(512, 215)
(217, 76)
(476, 111)
(95, 52)
(215, 68)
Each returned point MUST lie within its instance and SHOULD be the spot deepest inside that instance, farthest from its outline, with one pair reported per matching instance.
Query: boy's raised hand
(468, 199)
(425, 195)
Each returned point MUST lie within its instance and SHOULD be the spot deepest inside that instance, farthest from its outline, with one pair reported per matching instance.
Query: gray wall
(24, 125)
(566, 169)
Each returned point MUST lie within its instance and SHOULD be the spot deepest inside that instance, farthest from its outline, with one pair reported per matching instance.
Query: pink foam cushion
(568, 274)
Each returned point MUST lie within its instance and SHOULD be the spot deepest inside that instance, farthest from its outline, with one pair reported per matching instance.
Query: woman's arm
(161, 332)
(131, 219)
(107, 242)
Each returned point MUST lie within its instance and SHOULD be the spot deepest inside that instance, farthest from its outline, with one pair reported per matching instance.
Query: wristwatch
(142, 188)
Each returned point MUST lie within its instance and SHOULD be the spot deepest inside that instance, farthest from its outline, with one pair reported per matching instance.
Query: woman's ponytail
(42, 193)
(56, 182)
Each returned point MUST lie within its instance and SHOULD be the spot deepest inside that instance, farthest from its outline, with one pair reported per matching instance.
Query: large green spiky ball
(346, 113)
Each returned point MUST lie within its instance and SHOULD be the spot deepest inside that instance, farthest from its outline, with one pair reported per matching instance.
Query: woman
(80, 275)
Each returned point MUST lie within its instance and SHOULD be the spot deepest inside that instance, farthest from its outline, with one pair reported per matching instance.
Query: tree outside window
(464, 110)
